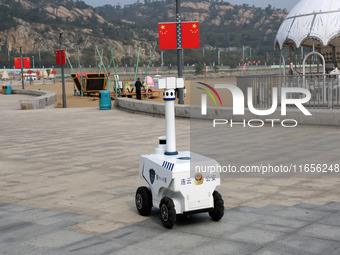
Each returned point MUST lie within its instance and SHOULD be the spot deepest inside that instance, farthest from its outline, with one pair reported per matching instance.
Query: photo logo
(238, 100)
(301, 97)
(204, 96)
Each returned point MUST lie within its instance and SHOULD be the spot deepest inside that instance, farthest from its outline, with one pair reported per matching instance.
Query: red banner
(17, 62)
(29, 72)
(167, 36)
(190, 35)
(26, 61)
(60, 55)
(54, 72)
(38, 73)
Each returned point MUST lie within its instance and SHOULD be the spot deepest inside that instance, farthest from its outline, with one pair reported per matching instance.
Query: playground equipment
(173, 187)
(94, 82)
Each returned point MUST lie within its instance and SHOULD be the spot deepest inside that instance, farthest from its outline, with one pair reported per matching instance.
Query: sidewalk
(68, 179)
(11, 102)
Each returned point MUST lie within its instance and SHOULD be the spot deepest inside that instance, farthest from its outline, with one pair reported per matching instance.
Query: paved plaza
(68, 179)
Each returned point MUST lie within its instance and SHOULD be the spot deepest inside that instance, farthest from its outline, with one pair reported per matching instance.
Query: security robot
(172, 187)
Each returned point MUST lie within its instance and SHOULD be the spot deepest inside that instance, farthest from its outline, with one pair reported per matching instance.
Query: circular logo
(199, 179)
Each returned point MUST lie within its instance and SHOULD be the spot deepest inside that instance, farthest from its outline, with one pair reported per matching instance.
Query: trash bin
(8, 89)
(104, 100)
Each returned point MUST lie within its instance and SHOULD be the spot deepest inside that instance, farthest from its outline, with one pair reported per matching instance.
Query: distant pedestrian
(138, 86)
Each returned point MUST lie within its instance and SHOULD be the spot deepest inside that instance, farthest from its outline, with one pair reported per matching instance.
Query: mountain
(36, 24)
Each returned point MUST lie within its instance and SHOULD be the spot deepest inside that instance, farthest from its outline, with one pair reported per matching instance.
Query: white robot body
(170, 176)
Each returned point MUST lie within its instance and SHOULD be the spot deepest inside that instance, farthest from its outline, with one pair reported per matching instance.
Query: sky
(288, 4)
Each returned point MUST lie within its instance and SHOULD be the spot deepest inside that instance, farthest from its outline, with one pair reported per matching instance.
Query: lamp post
(62, 72)
(179, 49)
(33, 62)
(22, 69)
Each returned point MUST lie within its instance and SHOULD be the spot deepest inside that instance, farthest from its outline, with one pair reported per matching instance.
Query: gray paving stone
(221, 247)
(321, 231)
(335, 252)
(15, 232)
(133, 234)
(33, 214)
(273, 251)
(58, 239)
(307, 206)
(255, 236)
(279, 224)
(297, 244)
(333, 219)
(20, 249)
(95, 245)
(14, 208)
(263, 210)
(242, 218)
(327, 208)
(302, 214)
(333, 205)
(131, 250)
(171, 241)
(209, 228)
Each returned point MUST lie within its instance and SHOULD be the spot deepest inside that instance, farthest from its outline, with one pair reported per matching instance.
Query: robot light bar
(169, 83)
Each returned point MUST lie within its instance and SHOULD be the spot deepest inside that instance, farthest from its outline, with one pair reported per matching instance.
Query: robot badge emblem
(152, 175)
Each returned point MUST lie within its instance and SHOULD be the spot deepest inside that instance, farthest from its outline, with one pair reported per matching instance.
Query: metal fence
(33, 82)
(324, 89)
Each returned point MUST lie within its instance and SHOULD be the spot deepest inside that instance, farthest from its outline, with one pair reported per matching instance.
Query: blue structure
(105, 100)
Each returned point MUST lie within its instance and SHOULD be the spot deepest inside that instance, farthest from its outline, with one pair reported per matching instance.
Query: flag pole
(179, 48)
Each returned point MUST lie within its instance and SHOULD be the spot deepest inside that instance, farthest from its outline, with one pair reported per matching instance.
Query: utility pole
(22, 69)
(9, 58)
(179, 49)
(162, 58)
(39, 59)
(33, 62)
(62, 71)
(243, 53)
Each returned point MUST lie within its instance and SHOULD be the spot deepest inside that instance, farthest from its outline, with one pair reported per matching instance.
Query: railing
(33, 82)
(324, 89)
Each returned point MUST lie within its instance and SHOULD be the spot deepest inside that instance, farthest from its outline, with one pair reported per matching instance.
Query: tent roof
(311, 21)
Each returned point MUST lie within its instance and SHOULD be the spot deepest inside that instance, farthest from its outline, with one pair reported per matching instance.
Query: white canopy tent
(4, 75)
(314, 24)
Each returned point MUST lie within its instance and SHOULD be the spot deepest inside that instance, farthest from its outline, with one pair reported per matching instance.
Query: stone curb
(42, 100)
(320, 117)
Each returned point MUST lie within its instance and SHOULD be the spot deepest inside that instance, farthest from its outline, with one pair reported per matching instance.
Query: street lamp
(33, 62)
(22, 69)
(179, 49)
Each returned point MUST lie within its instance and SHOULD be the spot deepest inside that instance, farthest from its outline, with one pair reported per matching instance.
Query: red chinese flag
(27, 62)
(17, 62)
(167, 36)
(190, 35)
(63, 57)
